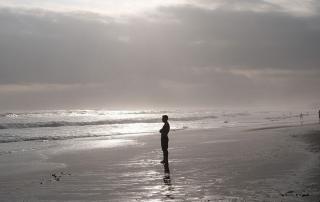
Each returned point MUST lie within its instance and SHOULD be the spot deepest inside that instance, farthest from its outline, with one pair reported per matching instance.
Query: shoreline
(229, 164)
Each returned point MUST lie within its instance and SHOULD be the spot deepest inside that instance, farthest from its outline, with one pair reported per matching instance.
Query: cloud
(119, 8)
(122, 8)
(291, 7)
(36, 88)
(180, 54)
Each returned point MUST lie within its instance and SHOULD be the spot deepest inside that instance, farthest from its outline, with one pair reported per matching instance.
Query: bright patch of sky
(138, 7)
(108, 7)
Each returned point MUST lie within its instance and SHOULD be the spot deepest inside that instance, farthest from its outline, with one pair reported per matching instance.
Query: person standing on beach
(301, 118)
(319, 115)
(164, 138)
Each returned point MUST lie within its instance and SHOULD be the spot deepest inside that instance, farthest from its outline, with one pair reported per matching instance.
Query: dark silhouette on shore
(301, 119)
(319, 115)
(164, 138)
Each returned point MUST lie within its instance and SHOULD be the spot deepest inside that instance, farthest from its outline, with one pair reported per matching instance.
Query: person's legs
(165, 156)
(164, 146)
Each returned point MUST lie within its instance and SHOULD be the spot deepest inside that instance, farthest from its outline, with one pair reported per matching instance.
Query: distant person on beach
(319, 115)
(164, 138)
(301, 118)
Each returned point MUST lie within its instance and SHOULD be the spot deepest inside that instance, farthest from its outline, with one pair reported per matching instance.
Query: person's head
(165, 118)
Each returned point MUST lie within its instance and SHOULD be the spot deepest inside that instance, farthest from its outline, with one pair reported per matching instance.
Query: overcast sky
(57, 54)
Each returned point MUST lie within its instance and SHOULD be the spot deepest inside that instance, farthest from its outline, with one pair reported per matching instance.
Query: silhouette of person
(319, 115)
(164, 138)
(301, 118)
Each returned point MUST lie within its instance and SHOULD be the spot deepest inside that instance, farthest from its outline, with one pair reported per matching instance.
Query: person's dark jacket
(165, 130)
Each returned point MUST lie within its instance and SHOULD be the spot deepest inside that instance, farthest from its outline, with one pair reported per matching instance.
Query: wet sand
(227, 164)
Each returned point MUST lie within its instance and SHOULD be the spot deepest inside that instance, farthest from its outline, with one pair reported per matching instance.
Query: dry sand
(228, 164)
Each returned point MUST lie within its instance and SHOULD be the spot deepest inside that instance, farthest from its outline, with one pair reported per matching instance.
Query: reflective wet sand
(216, 165)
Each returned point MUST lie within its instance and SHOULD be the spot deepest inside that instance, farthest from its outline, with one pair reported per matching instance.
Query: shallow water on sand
(35, 130)
(204, 165)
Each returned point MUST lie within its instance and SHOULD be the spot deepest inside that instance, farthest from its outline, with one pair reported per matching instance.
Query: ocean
(33, 130)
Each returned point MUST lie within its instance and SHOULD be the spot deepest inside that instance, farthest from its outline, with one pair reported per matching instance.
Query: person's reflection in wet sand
(166, 177)
(167, 181)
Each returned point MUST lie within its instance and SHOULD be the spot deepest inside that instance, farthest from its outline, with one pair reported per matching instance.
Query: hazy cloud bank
(186, 54)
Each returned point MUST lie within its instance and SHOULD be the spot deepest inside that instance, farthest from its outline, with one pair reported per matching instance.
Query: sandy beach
(226, 164)
(159, 100)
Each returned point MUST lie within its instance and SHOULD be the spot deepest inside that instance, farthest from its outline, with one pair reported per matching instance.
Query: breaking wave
(89, 123)
(48, 138)
(74, 112)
